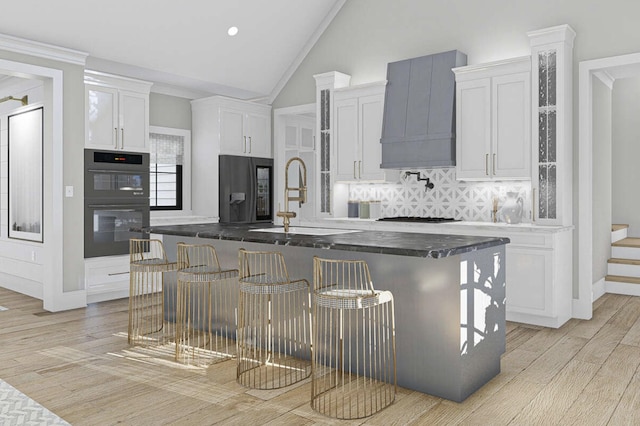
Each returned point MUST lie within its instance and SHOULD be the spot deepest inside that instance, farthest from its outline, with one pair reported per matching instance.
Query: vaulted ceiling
(181, 45)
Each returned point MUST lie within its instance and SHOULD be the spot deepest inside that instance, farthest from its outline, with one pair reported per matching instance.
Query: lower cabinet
(106, 278)
(540, 278)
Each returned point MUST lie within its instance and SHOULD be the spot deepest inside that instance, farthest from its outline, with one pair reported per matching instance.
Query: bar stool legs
(148, 293)
(354, 361)
(273, 323)
(206, 303)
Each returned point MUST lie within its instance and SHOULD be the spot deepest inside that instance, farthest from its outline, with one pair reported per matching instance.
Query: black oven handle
(95, 206)
(112, 171)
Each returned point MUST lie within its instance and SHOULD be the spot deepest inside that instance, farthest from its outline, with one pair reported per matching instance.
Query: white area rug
(17, 408)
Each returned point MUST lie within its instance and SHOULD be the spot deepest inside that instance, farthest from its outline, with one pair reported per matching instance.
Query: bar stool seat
(274, 323)
(149, 297)
(354, 360)
(206, 306)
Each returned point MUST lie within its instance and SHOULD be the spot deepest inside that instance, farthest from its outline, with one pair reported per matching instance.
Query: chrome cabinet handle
(122, 139)
(250, 145)
(494, 163)
(354, 170)
(244, 146)
(359, 169)
(486, 164)
(533, 205)
(115, 136)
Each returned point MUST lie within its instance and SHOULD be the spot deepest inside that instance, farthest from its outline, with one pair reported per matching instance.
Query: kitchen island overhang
(449, 293)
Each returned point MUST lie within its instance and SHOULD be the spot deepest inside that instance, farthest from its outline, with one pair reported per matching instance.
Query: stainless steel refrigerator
(246, 189)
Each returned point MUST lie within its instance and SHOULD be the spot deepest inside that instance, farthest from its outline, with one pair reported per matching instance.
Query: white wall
(367, 34)
(169, 111)
(69, 238)
(601, 179)
(626, 154)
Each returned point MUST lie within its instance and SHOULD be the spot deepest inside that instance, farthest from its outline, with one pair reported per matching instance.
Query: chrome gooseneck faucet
(287, 215)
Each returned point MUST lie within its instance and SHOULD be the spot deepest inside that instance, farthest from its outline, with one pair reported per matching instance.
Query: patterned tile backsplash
(471, 201)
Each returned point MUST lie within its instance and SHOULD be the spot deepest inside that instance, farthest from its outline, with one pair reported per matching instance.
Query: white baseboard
(598, 289)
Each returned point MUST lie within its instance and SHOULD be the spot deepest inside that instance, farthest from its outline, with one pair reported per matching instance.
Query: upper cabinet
(222, 125)
(357, 130)
(117, 112)
(245, 129)
(493, 127)
(419, 112)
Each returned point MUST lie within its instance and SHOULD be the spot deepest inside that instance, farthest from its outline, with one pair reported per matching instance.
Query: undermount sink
(300, 230)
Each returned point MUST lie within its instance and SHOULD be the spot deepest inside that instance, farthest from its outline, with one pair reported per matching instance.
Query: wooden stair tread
(627, 242)
(622, 279)
(617, 227)
(624, 261)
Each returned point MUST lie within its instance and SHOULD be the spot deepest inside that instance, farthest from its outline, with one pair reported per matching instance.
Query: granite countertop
(371, 241)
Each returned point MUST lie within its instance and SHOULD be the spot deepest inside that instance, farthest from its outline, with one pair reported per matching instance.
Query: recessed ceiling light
(232, 31)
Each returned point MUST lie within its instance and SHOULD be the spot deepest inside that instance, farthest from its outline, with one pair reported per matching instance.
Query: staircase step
(619, 284)
(624, 261)
(619, 232)
(622, 279)
(624, 267)
(627, 242)
(627, 248)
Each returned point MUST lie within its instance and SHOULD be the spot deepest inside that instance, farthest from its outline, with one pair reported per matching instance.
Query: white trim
(42, 50)
(53, 295)
(306, 49)
(99, 78)
(628, 289)
(186, 173)
(615, 67)
(598, 289)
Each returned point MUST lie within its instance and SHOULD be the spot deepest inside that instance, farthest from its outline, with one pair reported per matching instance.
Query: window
(169, 185)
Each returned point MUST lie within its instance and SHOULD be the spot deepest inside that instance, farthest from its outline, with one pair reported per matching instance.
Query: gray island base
(449, 293)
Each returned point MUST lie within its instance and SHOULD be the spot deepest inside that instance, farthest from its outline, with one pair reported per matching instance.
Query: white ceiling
(181, 43)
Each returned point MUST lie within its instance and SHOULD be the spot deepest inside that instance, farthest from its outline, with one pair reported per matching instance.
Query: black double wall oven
(116, 197)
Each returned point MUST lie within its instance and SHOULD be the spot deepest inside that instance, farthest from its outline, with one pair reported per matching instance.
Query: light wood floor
(78, 364)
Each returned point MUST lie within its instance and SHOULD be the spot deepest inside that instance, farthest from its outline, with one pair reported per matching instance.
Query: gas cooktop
(418, 219)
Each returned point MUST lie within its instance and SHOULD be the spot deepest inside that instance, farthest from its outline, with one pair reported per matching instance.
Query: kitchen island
(449, 291)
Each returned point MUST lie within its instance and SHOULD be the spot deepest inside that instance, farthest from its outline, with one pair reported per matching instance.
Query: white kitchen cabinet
(295, 137)
(245, 129)
(222, 125)
(357, 116)
(493, 121)
(106, 278)
(117, 112)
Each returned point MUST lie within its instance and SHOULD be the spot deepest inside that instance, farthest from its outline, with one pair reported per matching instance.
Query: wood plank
(549, 407)
(618, 227)
(627, 411)
(618, 261)
(553, 361)
(627, 242)
(79, 365)
(622, 279)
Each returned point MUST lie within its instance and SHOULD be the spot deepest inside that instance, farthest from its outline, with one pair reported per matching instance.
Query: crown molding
(42, 50)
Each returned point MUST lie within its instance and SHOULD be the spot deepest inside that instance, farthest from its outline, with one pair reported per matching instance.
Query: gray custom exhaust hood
(419, 121)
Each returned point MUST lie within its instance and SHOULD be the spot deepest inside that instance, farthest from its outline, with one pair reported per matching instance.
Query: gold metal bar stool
(149, 299)
(354, 351)
(207, 297)
(274, 323)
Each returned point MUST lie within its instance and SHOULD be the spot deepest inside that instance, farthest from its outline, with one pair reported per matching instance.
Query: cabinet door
(232, 137)
(346, 138)
(473, 129)
(511, 118)
(529, 281)
(258, 133)
(101, 117)
(369, 127)
(134, 124)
